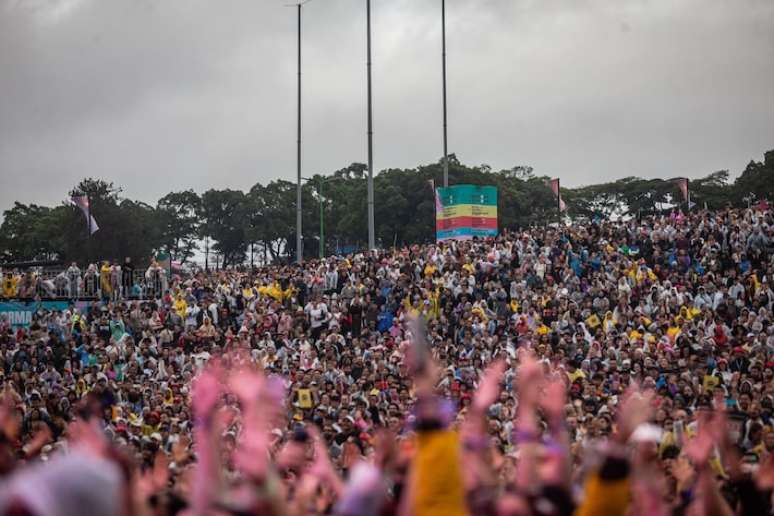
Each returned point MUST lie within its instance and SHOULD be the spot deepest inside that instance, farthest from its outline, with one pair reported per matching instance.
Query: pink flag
(554, 185)
(82, 202)
(682, 184)
(763, 205)
(438, 203)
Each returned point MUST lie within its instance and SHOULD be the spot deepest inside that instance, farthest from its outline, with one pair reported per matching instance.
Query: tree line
(259, 224)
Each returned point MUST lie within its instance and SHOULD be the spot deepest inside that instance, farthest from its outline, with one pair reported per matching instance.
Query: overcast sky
(161, 95)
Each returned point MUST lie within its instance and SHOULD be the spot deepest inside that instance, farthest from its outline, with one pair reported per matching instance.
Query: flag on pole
(682, 184)
(82, 202)
(438, 203)
(554, 185)
(763, 205)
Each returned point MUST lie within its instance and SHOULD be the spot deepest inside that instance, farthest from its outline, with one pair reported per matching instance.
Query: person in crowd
(74, 277)
(10, 285)
(127, 278)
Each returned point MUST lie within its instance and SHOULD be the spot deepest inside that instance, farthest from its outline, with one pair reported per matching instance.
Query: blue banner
(19, 313)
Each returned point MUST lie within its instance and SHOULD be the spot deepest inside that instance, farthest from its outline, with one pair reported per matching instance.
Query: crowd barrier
(64, 285)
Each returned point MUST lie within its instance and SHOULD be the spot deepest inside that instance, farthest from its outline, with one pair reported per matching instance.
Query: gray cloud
(159, 95)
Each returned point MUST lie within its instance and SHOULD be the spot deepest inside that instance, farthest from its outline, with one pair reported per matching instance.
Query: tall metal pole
(371, 229)
(88, 228)
(322, 218)
(443, 51)
(299, 237)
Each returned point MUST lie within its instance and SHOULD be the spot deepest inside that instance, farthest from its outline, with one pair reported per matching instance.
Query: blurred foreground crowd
(608, 368)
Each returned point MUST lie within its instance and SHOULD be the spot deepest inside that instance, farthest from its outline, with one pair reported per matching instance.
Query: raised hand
(635, 408)
(42, 437)
(554, 400)
(246, 384)
(421, 364)
(88, 437)
(683, 472)
(321, 466)
(10, 422)
(489, 387)
(160, 472)
(529, 380)
(701, 446)
(385, 450)
(180, 453)
(765, 476)
(207, 390)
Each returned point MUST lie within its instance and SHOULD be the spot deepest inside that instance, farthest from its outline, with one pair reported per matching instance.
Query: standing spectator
(127, 278)
(74, 276)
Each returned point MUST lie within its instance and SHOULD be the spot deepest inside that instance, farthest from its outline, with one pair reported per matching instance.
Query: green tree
(756, 179)
(29, 232)
(179, 224)
(223, 213)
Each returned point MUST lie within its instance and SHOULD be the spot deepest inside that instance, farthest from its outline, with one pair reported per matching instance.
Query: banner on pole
(82, 202)
(553, 184)
(465, 211)
(682, 184)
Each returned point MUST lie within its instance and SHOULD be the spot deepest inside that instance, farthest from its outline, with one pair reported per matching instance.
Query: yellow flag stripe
(467, 210)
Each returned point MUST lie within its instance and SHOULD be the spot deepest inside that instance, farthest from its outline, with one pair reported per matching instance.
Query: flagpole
(299, 212)
(443, 60)
(88, 226)
(370, 186)
(299, 196)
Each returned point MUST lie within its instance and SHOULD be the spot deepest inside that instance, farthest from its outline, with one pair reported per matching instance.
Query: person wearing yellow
(248, 293)
(10, 284)
(181, 306)
(105, 284)
(593, 321)
(674, 330)
(574, 372)
(608, 324)
(273, 291)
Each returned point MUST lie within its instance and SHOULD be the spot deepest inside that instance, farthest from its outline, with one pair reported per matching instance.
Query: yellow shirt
(104, 279)
(593, 321)
(575, 375)
(181, 307)
(437, 477)
(9, 287)
(710, 381)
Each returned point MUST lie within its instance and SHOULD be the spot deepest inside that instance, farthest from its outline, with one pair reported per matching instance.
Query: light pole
(371, 229)
(443, 67)
(299, 234)
(321, 180)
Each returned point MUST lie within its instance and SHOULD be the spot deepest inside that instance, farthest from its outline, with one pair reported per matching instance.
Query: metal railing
(64, 284)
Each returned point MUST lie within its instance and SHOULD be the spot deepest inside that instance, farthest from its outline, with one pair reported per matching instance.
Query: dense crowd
(614, 367)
